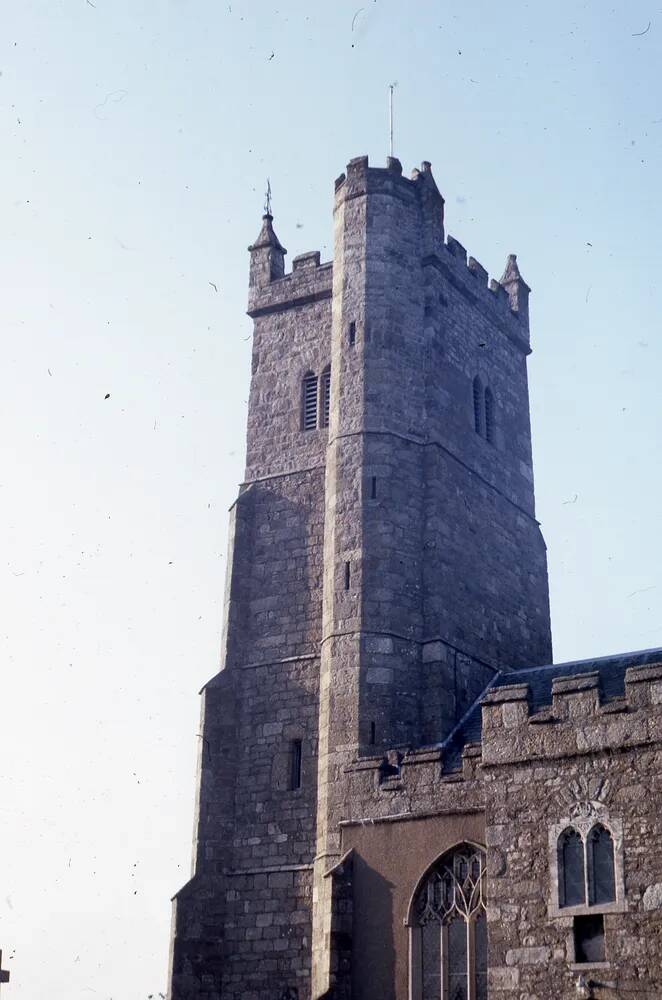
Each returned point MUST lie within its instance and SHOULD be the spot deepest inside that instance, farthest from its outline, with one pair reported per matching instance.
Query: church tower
(384, 564)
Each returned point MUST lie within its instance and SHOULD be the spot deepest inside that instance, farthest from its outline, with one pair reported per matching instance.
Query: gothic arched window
(478, 405)
(572, 878)
(325, 396)
(600, 865)
(309, 402)
(448, 926)
(489, 415)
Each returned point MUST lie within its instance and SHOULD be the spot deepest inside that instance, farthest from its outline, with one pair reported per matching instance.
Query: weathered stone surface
(653, 897)
(384, 567)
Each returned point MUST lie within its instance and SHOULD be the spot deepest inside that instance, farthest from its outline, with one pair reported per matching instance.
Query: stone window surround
(583, 825)
(415, 937)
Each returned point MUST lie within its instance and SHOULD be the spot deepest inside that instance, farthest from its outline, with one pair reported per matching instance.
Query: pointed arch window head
(586, 864)
(600, 865)
(449, 929)
(572, 876)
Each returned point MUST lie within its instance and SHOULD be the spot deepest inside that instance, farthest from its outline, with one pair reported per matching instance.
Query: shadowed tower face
(385, 562)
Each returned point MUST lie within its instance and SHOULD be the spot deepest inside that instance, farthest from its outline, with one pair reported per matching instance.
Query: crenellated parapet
(578, 721)
(270, 289)
(504, 302)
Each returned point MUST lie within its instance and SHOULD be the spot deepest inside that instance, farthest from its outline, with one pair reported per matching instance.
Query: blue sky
(136, 141)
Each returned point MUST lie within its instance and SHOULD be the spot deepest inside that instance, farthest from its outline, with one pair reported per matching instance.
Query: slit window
(309, 404)
(325, 401)
(348, 575)
(373, 733)
(478, 405)
(295, 764)
(489, 415)
(351, 336)
(373, 488)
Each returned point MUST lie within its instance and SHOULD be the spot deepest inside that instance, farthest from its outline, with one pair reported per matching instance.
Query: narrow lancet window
(489, 415)
(478, 405)
(570, 852)
(600, 864)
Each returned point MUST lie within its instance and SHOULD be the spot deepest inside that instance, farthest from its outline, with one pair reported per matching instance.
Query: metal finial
(267, 199)
(391, 88)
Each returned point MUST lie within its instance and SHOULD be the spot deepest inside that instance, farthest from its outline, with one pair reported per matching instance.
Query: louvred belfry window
(449, 929)
(309, 403)
(325, 403)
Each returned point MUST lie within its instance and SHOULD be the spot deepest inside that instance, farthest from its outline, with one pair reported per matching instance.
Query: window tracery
(449, 929)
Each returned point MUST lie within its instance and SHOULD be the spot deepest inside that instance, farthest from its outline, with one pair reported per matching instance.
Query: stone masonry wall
(579, 760)
(379, 571)
(242, 925)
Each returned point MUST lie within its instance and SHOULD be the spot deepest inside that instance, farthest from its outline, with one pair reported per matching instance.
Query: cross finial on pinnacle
(267, 199)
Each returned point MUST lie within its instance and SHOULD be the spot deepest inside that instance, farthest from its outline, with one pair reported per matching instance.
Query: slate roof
(611, 671)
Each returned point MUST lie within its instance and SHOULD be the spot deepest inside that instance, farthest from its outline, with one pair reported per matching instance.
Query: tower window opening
(352, 334)
(373, 733)
(478, 405)
(325, 402)
(489, 415)
(295, 764)
(348, 575)
(309, 403)
(373, 488)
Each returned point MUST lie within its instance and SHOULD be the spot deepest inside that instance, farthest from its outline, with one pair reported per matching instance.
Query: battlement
(505, 301)
(308, 281)
(580, 719)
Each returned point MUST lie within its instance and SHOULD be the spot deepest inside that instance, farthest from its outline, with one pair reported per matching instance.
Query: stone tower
(384, 564)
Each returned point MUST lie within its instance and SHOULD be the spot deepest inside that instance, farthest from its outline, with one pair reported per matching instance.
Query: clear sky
(137, 136)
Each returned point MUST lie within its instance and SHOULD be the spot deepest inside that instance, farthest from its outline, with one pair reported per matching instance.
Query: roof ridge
(590, 659)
